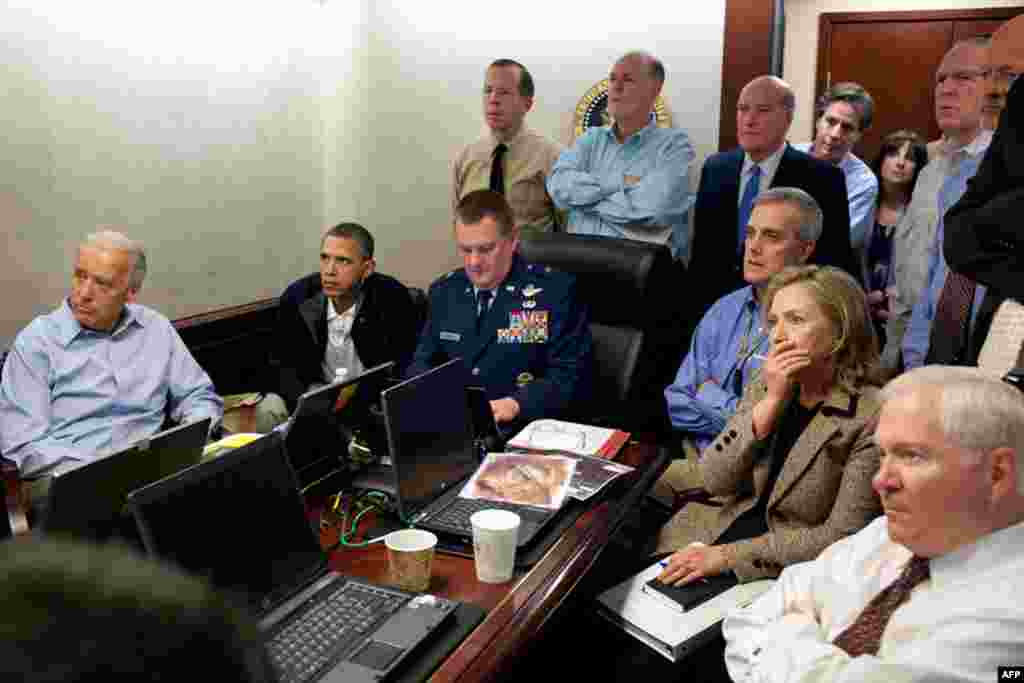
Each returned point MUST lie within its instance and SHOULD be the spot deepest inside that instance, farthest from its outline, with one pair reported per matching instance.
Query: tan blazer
(822, 493)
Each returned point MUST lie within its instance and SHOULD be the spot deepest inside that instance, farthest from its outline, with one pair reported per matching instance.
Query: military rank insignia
(525, 327)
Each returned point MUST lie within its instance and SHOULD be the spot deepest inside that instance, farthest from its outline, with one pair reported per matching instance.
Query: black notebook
(695, 593)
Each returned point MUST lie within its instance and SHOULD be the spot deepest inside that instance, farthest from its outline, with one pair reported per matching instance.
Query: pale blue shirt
(725, 351)
(589, 179)
(70, 395)
(917, 339)
(861, 193)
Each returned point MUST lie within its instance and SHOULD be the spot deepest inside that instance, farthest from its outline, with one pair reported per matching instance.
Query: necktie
(949, 328)
(498, 170)
(864, 635)
(483, 304)
(747, 205)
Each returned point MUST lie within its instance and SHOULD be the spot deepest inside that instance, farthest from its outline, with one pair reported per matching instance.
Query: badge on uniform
(450, 336)
(531, 290)
(525, 327)
(524, 378)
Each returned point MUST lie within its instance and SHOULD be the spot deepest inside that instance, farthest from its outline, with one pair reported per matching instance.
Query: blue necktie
(746, 205)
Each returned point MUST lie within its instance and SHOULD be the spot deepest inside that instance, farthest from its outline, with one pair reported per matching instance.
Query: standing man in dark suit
(518, 326)
(730, 181)
(347, 319)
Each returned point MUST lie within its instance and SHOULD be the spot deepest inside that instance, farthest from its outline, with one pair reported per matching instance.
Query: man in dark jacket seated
(336, 324)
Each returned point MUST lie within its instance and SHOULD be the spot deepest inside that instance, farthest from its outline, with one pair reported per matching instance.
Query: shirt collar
(511, 141)
(332, 313)
(69, 328)
(975, 147)
(639, 136)
(768, 165)
(969, 562)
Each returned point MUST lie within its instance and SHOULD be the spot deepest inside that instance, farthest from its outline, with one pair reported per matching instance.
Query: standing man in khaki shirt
(512, 159)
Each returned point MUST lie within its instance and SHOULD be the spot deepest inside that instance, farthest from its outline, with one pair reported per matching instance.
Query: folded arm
(663, 190)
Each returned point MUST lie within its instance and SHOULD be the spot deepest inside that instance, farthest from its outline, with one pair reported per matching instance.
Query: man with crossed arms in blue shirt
(98, 373)
(729, 344)
(630, 179)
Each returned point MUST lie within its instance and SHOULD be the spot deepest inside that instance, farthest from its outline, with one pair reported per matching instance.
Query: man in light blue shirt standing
(631, 179)
(845, 112)
(959, 87)
(98, 373)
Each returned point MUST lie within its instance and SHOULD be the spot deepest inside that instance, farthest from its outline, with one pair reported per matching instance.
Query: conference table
(517, 611)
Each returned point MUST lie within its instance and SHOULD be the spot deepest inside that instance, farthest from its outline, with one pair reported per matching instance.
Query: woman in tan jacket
(792, 469)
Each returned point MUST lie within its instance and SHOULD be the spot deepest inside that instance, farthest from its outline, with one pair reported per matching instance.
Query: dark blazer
(984, 238)
(386, 328)
(822, 493)
(715, 269)
(546, 369)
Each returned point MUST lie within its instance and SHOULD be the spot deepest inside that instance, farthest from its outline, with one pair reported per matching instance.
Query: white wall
(228, 134)
(800, 61)
(196, 130)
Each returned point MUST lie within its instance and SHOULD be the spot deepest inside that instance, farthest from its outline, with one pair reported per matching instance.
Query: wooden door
(894, 56)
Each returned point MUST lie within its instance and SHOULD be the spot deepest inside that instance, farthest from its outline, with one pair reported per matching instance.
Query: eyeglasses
(962, 77)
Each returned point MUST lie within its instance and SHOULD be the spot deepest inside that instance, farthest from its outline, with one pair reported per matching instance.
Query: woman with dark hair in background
(890, 281)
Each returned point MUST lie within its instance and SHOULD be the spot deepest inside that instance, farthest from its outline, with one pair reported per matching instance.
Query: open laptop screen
(317, 432)
(88, 501)
(429, 434)
(238, 520)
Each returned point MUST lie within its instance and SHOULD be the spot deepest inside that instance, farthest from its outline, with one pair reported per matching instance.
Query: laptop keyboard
(456, 514)
(342, 616)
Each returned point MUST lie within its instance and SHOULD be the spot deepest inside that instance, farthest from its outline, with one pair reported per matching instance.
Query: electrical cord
(358, 507)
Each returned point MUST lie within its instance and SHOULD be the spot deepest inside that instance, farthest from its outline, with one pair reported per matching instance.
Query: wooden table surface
(518, 609)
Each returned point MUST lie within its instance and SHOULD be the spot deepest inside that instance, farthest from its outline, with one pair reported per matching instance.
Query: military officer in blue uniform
(518, 326)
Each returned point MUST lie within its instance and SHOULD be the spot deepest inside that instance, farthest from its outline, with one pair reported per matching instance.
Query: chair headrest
(612, 274)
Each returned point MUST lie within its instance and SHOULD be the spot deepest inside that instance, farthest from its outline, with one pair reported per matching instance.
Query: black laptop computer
(240, 522)
(317, 435)
(433, 454)
(89, 501)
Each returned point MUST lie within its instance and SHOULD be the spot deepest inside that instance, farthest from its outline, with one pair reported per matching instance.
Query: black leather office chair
(616, 355)
(628, 285)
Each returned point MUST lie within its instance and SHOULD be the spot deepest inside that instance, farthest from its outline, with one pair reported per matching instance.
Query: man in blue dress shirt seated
(518, 326)
(930, 591)
(98, 373)
(844, 113)
(630, 179)
(729, 343)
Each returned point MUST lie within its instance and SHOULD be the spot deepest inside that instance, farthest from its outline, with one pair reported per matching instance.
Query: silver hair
(111, 239)
(653, 63)
(976, 410)
(813, 218)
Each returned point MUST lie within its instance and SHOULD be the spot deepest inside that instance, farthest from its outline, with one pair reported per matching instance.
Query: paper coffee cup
(494, 544)
(410, 557)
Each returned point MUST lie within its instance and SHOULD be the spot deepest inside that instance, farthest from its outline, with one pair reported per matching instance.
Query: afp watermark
(1011, 673)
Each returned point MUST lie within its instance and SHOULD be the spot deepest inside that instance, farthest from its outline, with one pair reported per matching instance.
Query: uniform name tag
(450, 336)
